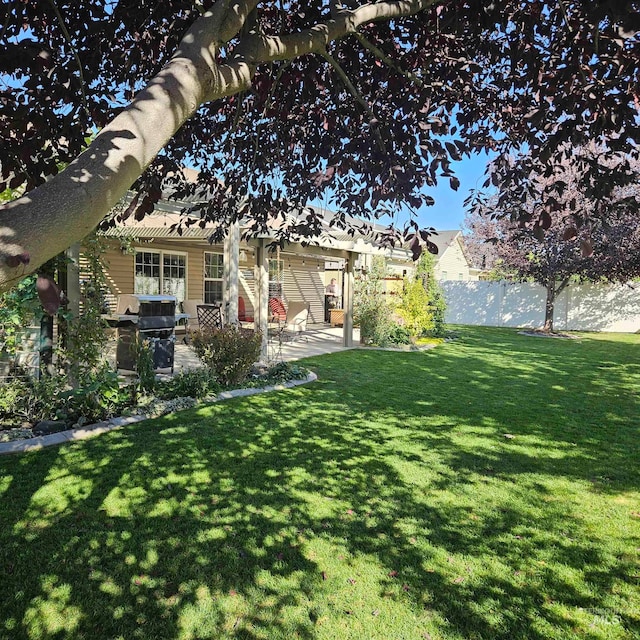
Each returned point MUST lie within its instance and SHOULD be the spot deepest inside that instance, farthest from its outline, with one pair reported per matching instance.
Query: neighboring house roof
(443, 240)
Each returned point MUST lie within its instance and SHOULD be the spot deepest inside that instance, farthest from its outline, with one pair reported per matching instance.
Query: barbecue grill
(154, 321)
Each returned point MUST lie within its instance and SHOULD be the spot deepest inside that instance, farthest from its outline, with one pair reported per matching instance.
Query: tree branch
(67, 37)
(81, 195)
(358, 98)
(315, 39)
(383, 57)
(560, 288)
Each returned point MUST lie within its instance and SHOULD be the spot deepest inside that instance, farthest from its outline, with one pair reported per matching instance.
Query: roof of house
(168, 214)
(444, 239)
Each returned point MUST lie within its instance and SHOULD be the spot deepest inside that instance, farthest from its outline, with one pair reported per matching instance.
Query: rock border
(90, 431)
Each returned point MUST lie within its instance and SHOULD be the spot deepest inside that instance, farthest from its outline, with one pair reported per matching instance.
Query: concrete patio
(319, 339)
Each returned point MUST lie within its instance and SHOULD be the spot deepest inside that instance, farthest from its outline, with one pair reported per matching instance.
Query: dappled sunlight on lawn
(389, 499)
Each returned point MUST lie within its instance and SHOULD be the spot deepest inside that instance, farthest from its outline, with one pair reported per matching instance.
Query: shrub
(415, 309)
(96, 396)
(196, 383)
(11, 395)
(371, 312)
(425, 272)
(376, 323)
(228, 352)
(32, 400)
(399, 335)
(278, 373)
(143, 356)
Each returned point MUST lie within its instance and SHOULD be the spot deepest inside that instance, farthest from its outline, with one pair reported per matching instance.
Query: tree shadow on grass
(319, 512)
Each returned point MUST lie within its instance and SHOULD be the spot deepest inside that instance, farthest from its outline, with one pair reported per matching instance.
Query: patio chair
(277, 309)
(191, 307)
(242, 311)
(295, 323)
(209, 316)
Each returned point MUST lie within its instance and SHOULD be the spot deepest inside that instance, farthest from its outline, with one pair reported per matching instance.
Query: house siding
(305, 282)
(120, 268)
(301, 281)
(453, 263)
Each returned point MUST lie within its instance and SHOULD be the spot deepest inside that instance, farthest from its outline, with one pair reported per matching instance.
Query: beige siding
(301, 281)
(120, 268)
(453, 264)
(247, 286)
(119, 272)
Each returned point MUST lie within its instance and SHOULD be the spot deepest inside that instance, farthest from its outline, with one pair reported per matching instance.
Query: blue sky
(448, 211)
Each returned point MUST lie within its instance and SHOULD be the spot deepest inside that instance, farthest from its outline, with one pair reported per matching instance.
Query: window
(158, 272)
(174, 275)
(460, 276)
(444, 275)
(276, 278)
(213, 274)
(147, 273)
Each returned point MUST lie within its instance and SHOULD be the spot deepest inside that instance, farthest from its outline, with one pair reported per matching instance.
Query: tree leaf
(49, 294)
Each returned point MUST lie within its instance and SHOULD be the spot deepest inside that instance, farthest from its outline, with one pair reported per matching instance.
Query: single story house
(148, 257)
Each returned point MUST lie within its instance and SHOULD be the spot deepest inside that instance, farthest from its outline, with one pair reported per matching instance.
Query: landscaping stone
(45, 427)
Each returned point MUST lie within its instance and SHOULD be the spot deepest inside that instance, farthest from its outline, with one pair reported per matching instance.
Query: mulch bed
(539, 333)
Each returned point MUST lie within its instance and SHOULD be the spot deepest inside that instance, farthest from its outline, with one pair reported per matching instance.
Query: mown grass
(488, 488)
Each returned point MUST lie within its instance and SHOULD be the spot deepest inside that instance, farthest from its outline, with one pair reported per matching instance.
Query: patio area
(317, 340)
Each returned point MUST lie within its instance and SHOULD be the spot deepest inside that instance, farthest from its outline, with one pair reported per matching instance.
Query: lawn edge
(92, 430)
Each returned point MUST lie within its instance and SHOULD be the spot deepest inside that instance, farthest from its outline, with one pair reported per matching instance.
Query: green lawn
(489, 488)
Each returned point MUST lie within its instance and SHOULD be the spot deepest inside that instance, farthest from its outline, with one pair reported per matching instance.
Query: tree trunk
(549, 307)
(47, 220)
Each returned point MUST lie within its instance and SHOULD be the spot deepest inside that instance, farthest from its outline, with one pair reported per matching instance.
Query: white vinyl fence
(584, 307)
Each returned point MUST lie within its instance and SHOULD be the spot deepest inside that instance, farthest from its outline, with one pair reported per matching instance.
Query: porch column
(230, 273)
(347, 302)
(261, 306)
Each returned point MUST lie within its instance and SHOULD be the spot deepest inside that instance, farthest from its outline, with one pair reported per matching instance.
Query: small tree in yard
(371, 311)
(553, 248)
(422, 306)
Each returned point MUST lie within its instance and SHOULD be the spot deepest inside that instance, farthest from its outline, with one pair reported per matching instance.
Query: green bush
(399, 335)
(277, 374)
(196, 383)
(19, 307)
(11, 395)
(29, 400)
(415, 309)
(371, 312)
(425, 272)
(228, 352)
(376, 323)
(96, 396)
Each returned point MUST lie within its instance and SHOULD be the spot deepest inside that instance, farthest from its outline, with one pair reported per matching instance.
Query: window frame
(276, 287)
(162, 253)
(206, 279)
